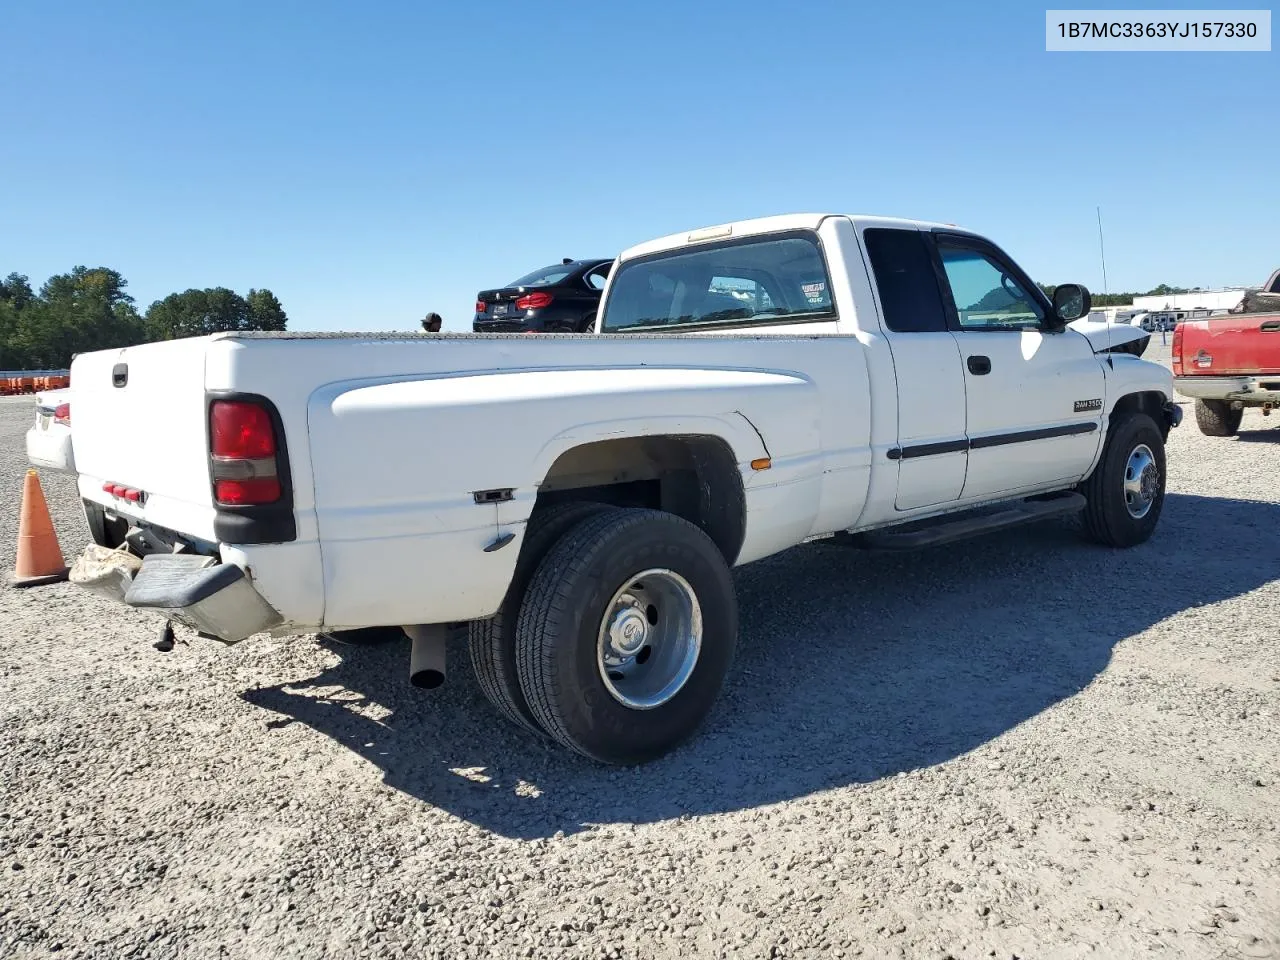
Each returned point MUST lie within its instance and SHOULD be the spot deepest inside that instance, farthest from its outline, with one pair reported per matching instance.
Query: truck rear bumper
(50, 448)
(1249, 389)
(213, 598)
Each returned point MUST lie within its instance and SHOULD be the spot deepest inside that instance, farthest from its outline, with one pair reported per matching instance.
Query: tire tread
(1098, 517)
(1216, 418)
(492, 642)
(547, 604)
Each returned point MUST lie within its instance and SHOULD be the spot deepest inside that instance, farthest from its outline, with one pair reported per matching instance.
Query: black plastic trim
(928, 449)
(270, 523)
(996, 440)
(1025, 436)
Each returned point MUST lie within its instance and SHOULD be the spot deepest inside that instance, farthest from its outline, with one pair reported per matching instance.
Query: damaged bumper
(212, 598)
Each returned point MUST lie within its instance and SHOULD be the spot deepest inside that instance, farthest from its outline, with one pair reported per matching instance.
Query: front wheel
(625, 634)
(1217, 418)
(1125, 492)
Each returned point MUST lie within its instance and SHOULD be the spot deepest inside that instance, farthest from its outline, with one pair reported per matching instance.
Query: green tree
(15, 290)
(196, 313)
(86, 309)
(265, 311)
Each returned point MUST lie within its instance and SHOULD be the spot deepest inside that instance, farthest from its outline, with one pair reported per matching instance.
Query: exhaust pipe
(427, 655)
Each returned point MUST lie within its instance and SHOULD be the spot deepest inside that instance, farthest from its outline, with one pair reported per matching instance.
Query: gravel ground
(1018, 746)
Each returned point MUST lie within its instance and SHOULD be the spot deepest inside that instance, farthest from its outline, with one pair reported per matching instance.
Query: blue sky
(371, 162)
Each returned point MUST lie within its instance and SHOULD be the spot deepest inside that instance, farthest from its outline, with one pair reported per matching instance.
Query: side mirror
(1071, 301)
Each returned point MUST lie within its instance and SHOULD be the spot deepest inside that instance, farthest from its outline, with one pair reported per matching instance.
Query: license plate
(499, 309)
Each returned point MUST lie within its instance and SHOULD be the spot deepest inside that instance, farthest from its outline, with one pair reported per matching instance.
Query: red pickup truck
(1231, 362)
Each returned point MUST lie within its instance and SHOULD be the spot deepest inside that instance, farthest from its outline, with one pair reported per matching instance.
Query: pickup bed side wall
(385, 464)
(402, 507)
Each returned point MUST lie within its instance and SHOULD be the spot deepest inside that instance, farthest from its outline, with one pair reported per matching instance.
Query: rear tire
(587, 602)
(493, 642)
(588, 324)
(1217, 418)
(1126, 489)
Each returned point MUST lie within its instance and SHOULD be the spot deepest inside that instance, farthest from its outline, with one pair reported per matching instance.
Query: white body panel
(49, 442)
(389, 437)
(1034, 382)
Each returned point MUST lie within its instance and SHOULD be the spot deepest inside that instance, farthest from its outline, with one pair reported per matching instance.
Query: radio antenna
(1102, 250)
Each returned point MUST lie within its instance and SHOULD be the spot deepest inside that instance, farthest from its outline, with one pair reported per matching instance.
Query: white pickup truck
(580, 500)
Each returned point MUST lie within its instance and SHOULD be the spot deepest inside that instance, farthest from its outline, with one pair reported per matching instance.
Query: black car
(559, 299)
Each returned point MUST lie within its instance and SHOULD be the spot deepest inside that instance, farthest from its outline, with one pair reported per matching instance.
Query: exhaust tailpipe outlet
(427, 654)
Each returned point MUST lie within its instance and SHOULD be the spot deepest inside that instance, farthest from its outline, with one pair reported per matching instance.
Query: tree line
(88, 309)
(1123, 299)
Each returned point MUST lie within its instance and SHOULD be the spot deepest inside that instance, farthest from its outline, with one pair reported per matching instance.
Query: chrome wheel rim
(649, 640)
(1141, 481)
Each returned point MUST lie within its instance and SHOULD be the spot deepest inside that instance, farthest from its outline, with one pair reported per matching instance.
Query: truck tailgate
(138, 420)
(1246, 343)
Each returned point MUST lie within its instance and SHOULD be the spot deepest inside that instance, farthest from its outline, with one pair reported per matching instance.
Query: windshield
(778, 279)
(544, 277)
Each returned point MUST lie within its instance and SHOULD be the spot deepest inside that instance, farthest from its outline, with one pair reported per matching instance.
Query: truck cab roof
(775, 224)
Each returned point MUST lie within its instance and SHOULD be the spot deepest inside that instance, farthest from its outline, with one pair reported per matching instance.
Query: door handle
(1271, 326)
(979, 366)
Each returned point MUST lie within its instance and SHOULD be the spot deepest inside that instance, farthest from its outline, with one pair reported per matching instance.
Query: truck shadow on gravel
(853, 666)
(1265, 435)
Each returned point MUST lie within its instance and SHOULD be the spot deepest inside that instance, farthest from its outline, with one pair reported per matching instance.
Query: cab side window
(986, 296)
(906, 280)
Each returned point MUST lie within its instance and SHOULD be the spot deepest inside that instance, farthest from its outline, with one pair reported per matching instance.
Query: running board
(932, 533)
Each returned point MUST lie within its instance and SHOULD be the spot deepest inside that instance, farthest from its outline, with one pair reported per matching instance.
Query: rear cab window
(756, 281)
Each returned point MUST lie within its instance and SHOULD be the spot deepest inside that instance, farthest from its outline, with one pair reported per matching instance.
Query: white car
(49, 439)
(581, 499)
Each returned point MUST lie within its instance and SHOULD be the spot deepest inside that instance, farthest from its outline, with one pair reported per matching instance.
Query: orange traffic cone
(39, 556)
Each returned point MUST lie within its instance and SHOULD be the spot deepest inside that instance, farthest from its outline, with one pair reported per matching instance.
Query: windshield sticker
(815, 292)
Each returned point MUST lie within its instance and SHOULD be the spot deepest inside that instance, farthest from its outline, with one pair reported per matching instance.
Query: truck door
(932, 450)
(1034, 398)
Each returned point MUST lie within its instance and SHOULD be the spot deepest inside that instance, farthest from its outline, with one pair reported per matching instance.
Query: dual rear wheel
(616, 634)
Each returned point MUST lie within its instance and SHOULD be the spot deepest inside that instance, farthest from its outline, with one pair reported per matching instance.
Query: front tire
(625, 635)
(1217, 418)
(1125, 492)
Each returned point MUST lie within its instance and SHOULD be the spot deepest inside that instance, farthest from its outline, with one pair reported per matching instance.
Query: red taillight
(480, 306)
(244, 492)
(1176, 350)
(240, 431)
(62, 414)
(534, 301)
(120, 491)
(242, 445)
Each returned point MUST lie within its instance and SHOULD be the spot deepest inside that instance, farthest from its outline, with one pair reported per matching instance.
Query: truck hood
(1112, 337)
